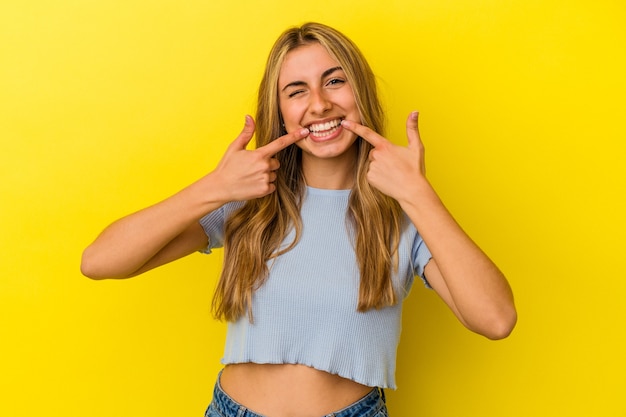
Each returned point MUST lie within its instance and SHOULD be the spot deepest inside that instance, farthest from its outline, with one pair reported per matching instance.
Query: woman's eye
(295, 93)
(335, 82)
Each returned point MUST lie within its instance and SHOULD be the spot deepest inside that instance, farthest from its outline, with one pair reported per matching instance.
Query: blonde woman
(319, 226)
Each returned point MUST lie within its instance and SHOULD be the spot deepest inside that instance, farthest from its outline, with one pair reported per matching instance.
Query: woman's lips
(321, 132)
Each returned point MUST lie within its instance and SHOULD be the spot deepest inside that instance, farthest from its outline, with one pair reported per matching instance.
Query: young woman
(319, 226)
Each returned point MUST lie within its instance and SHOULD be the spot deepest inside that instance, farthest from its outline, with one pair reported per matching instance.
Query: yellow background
(108, 106)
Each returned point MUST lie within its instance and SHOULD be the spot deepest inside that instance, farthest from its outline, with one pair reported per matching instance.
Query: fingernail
(247, 119)
(345, 123)
(414, 115)
(304, 131)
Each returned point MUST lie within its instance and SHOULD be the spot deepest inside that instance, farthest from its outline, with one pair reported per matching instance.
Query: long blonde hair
(254, 234)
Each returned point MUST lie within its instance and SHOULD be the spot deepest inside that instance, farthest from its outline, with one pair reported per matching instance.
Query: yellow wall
(107, 106)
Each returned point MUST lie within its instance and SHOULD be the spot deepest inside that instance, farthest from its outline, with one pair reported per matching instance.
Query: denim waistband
(367, 406)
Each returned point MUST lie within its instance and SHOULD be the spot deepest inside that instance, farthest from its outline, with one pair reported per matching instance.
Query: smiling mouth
(321, 130)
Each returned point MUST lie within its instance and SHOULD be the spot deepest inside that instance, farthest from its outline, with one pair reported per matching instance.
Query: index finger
(365, 132)
(282, 142)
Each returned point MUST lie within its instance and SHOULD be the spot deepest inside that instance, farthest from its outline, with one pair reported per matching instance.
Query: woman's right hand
(170, 229)
(247, 174)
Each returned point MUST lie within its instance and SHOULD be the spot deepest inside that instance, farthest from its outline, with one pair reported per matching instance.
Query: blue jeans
(372, 405)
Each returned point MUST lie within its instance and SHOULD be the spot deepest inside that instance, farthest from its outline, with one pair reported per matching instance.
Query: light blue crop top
(306, 312)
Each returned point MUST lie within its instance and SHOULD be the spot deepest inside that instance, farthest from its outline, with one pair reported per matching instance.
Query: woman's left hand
(393, 169)
(465, 278)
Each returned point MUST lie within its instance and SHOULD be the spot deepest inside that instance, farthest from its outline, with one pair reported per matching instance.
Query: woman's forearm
(126, 245)
(478, 289)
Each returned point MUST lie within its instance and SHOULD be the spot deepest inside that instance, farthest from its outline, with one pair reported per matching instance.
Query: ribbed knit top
(306, 312)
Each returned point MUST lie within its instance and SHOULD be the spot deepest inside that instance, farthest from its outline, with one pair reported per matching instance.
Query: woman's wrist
(206, 194)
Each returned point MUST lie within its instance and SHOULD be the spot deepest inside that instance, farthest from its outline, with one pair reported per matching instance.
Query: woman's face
(314, 93)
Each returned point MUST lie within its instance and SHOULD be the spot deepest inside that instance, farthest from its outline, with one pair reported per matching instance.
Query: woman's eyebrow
(330, 71)
(301, 83)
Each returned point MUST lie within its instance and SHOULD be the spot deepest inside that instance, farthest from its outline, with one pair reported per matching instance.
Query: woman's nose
(319, 102)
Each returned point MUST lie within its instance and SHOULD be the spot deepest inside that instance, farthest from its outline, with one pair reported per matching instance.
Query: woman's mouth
(324, 131)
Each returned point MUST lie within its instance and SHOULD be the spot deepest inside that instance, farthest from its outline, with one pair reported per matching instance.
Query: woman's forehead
(306, 61)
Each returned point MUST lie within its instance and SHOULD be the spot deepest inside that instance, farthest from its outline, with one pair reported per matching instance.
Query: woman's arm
(465, 278)
(153, 236)
(170, 230)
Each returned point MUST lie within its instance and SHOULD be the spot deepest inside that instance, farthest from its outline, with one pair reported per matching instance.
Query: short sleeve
(213, 225)
(420, 256)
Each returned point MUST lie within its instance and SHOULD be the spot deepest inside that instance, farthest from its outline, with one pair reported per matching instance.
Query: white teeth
(323, 127)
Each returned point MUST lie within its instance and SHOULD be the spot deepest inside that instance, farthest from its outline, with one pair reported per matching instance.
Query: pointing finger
(282, 142)
(365, 132)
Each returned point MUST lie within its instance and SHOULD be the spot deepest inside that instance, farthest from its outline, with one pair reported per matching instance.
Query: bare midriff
(289, 390)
